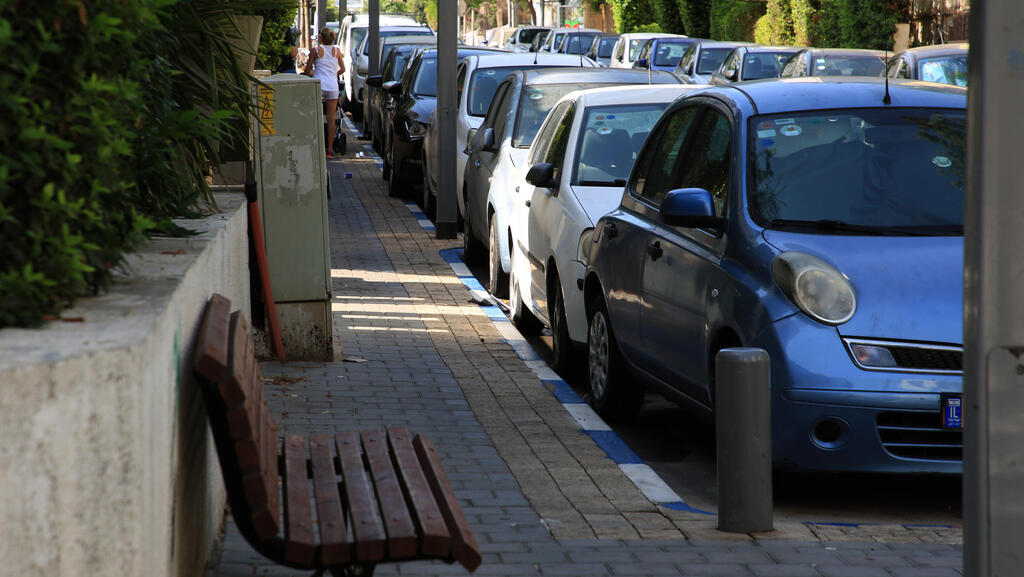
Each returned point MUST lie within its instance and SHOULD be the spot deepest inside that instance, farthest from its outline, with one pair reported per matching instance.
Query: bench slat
(232, 386)
(397, 518)
(211, 357)
(334, 541)
(299, 544)
(435, 538)
(367, 527)
(464, 549)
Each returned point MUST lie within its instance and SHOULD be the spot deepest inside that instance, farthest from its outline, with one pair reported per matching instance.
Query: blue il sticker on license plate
(952, 412)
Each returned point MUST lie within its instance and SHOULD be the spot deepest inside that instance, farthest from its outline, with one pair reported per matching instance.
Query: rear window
(605, 47)
(847, 65)
(610, 139)
(711, 59)
(534, 105)
(390, 33)
(947, 70)
(482, 86)
(578, 43)
(670, 53)
(764, 64)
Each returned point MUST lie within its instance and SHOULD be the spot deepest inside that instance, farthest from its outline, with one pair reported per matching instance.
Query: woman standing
(325, 63)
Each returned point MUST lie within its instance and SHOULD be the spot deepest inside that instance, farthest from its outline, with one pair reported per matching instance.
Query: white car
(554, 38)
(354, 29)
(627, 48)
(356, 81)
(522, 39)
(575, 173)
(479, 76)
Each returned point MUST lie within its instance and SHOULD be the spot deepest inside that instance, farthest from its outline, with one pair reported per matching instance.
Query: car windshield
(847, 65)
(670, 53)
(877, 171)
(611, 139)
(946, 69)
(605, 47)
(535, 104)
(426, 78)
(711, 59)
(390, 33)
(578, 43)
(526, 35)
(635, 45)
(398, 61)
(482, 86)
(764, 64)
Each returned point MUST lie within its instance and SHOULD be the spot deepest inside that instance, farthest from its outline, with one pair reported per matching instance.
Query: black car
(943, 63)
(753, 63)
(391, 71)
(415, 97)
(835, 62)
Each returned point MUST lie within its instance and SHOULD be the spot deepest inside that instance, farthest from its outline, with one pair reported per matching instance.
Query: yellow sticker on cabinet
(266, 103)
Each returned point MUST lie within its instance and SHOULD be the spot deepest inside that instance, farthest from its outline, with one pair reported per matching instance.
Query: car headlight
(586, 241)
(819, 290)
(416, 129)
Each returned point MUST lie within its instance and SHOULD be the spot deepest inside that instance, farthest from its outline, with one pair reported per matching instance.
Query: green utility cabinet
(291, 178)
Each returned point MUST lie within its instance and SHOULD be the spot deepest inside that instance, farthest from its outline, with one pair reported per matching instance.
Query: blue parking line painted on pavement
(681, 506)
(616, 449)
(928, 526)
(563, 392)
(836, 524)
(452, 255)
(494, 313)
(472, 284)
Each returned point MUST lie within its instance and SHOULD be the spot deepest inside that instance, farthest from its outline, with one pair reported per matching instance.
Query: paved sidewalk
(543, 498)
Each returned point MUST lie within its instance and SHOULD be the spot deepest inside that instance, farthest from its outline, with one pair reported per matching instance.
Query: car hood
(597, 201)
(908, 288)
(420, 109)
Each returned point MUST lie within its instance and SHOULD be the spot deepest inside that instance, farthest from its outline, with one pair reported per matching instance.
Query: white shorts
(329, 94)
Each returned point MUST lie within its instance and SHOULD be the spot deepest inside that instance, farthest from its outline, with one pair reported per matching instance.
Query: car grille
(919, 435)
(916, 357)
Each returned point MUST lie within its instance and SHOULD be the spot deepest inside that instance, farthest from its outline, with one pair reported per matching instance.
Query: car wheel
(566, 360)
(385, 171)
(611, 394)
(429, 199)
(472, 252)
(394, 182)
(522, 317)
(497, 279)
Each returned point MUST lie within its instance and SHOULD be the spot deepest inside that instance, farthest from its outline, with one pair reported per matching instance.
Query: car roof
(642, 35)
(723, 44)
(760, 48)
(937, 49)
(846, 51)
(499, 59)
(421, 39)
(779, 95)
(464, 51)
(611, 95)
(609, 75)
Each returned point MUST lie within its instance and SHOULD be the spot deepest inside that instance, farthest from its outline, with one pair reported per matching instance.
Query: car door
(544, 207)
(681, 264)
(625, 232)
(480, 166)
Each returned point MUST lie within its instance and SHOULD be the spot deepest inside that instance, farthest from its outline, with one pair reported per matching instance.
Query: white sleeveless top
(326, 69)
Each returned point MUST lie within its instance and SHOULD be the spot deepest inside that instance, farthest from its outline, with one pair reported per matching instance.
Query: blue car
(819, 220)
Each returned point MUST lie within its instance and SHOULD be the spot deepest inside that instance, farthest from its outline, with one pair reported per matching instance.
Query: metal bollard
(744, 440)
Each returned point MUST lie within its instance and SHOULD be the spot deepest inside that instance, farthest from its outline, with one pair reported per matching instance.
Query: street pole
(342, 9)
(446, 225)
(321, 15)
(993, 401)
(374, 38)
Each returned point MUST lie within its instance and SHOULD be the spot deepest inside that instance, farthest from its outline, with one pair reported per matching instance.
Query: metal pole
(374, 38)
(744, 436)
(321, 15)
(993, 310)
(342, 9)
(447, 62)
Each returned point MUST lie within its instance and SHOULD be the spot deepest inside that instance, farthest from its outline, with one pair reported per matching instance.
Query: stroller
(340, 143)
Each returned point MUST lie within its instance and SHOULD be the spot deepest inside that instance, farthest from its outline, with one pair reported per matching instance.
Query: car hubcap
(494, 265)
(598, 356)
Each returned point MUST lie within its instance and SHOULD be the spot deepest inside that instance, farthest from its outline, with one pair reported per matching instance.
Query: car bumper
(830, 415)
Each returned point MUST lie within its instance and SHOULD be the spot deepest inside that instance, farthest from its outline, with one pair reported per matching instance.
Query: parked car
(703, 58)
(499, 147)
(577, 42)
(354, 28)
(663, 53)
(357, 76)
(575, 173)
(415, 97)
(834, 62)
(379, 98)
(811, 220)
(601, 49)
(753, 63)
(943, 63)
(553, 39)
(522, 40)
(371, 92)
(479, 78)
(627, 47)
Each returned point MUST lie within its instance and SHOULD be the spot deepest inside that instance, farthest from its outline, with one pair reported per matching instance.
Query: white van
(354, 28)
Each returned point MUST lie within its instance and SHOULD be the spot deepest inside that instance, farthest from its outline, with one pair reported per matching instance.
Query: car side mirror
(395, 89)
(469, 141)
(691, 208)
(375, 81)
(487, 140)
(542, 175)
(730, 73)
(641, 63)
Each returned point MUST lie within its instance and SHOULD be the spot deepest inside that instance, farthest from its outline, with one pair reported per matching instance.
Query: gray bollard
(744, 434)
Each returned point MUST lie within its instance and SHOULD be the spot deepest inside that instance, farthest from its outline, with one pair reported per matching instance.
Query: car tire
(610, 393)
(385, 170)
(472, 251)
(429, 199)
(395, 183)
(522, 317)
(497, 279)
(566, 358)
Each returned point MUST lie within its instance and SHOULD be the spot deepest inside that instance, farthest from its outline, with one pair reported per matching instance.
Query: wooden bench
(341, 502)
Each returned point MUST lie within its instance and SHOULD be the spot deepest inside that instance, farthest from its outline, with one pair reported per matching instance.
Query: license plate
(952, 412)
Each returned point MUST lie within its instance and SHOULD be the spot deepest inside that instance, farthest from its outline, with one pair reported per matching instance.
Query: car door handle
(654, 249)
(610, 229)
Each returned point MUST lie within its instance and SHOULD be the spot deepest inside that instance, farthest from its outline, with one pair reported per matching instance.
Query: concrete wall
(107, 466)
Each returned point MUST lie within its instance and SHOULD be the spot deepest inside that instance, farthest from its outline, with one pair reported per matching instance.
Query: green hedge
(735, 19)
(113, 112)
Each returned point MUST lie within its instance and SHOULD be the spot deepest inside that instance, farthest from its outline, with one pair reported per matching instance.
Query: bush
(776, 26)
(735, 19)
(274, 46)
(634, 16)
(696, 17)
(668, 17)
(867, 24)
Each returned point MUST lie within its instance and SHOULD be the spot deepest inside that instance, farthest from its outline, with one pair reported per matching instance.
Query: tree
(776, 26)
(734, 19)
(867, 24)
(696, 17)
(668, 17)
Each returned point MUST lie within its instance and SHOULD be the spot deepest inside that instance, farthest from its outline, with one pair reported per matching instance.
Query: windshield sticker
(790, 130)
(604, 130)
(490, 72)
(599, 117)
(942, 162)
(536, 96)
(785, 121)
(611, 117)
(766, 133)
(767, 142)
